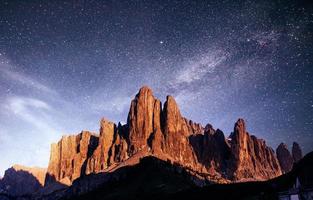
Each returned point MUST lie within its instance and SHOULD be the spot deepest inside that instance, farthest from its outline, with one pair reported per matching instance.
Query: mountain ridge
(163, 132)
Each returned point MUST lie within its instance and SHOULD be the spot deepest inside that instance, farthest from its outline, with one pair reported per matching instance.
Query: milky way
(63, 66)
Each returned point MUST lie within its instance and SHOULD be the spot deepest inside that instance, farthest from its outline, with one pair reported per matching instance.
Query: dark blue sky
(63, 66)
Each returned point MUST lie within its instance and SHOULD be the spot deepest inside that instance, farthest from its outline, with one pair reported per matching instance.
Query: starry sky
(64, 65)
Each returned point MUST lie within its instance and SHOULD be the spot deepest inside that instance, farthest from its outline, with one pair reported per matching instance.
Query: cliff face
(112, 148)
(167, 135)
(142, 119)
(68, 158)
(20, 180)
(176, 131)
(250, 156)
(212, 150)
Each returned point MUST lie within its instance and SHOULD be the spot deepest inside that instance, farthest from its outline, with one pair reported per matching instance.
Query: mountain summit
(153, 129)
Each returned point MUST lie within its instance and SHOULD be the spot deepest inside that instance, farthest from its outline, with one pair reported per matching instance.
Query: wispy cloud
(7, 72)
(18, 104)
(33, 111)
(32, 117)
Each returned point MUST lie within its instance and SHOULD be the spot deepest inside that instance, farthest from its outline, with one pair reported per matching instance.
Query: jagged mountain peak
(166, 134)
(296, 152)
(145, 90)
(287, 159)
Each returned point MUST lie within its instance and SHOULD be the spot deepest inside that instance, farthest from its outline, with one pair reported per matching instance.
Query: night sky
(63, 66)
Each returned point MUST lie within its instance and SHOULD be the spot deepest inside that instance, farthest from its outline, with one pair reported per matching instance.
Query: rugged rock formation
(212, 150)
(284, 157)
(250, 157)
(112, 148)
(68, 158)
(296, 152)
(141, 119)
(20, 180)
(100, 157)
(177, 130)
(167, 135)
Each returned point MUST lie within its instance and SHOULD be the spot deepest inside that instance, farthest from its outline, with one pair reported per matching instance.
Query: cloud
(8, 73)
(18, 104)
(33, 111)
(28, 126)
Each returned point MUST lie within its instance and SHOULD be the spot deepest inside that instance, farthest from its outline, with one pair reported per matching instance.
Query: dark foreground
(156, 179)
(149, 181)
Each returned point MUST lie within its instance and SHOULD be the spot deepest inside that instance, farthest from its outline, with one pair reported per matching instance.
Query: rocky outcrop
(250, 157)
(177, 130)
(112, 148)
(100, 158)
(212, 150)
(284, 157)
(68, 158)
(20, 180)
(141, 119)
(167, 135)
(296, 152)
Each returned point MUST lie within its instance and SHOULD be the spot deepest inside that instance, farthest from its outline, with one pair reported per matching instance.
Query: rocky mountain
(296, 152)
(287, 159)
(20, 180)
(69, 157)
(250, 157)
(161, 131)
